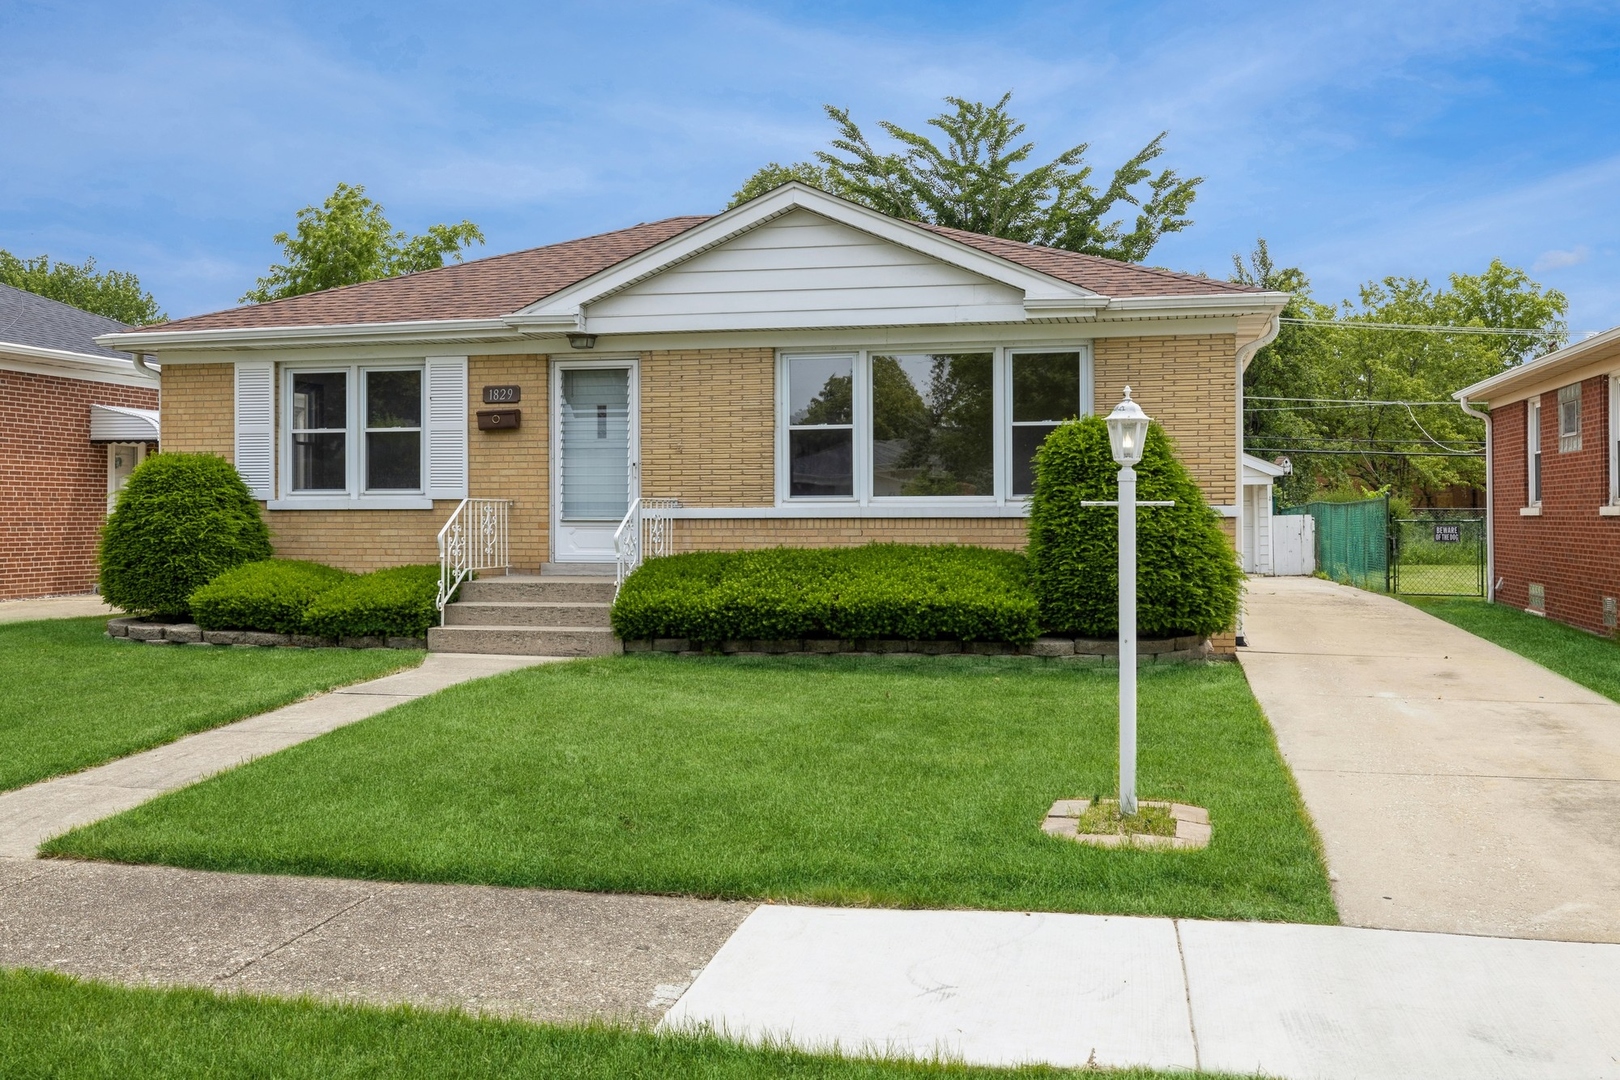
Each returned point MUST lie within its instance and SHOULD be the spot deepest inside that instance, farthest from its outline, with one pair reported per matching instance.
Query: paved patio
(1457, 786)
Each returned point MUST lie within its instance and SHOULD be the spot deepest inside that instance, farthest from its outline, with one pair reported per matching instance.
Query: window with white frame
(353, 430)
(1569, 419)
(1614, 440)
(907, 426)
(1533, 441)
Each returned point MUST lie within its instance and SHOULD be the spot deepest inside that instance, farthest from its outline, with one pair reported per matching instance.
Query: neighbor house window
(1569, 419)
(950, 424)
(1614, 440)
(353, 430)
(1533, 440)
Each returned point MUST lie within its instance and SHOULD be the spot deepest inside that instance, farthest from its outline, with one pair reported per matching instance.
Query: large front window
(353, 430)
(909, 426)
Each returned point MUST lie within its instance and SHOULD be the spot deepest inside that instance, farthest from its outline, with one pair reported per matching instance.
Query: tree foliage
(113, 294)
(975, 178)
(348, 240)
(1316, 376)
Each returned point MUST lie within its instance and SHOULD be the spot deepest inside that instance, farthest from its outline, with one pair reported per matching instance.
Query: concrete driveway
(1458, 787)
(54, 607)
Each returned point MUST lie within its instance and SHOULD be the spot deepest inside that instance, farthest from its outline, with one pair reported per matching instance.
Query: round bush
(271, 596)
(182, 520)
(1188, 578)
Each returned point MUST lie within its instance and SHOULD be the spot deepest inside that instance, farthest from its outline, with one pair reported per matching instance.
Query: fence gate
(1438, 552)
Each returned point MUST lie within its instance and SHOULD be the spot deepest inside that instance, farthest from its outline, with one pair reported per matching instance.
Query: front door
(594, 457)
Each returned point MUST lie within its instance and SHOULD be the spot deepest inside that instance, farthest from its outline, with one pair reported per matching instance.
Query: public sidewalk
(1457, 786)
(29, 816)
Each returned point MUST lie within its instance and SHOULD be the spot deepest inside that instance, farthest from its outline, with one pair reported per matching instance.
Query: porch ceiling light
(582, 341)
(1127, 430)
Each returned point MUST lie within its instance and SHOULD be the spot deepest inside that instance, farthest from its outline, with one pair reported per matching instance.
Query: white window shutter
(447, 427)
(256, 426)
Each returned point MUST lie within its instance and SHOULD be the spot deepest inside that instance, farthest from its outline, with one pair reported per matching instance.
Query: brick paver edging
(152, 633)
(1164, 650)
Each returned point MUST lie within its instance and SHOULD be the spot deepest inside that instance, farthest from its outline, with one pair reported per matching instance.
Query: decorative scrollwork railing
(646, 532)
(475, 538)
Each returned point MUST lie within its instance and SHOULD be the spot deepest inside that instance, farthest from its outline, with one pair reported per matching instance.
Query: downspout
(140, 366)
(1244, 355)
(1490, 503)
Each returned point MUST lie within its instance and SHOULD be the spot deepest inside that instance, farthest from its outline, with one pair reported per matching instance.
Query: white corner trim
(343, 502)
(1609, 511)
(1529, 511)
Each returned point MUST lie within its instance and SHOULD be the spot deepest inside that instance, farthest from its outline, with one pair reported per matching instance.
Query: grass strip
(68, 1028)
(1585, 658)
(76, 698)
(890, 781)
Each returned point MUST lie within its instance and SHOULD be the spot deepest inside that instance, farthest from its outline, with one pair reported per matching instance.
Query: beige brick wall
(708, 426)
(515, 464)
(197, 409)
(1189, 385)
(733, 535)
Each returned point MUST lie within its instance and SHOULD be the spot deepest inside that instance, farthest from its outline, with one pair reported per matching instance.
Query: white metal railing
(647, 531)
(475, 538)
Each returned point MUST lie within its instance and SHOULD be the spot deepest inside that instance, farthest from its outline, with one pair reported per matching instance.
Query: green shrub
(1188, 579)
(397, 602)
(941, 593)
(181, 521)
(271, 595)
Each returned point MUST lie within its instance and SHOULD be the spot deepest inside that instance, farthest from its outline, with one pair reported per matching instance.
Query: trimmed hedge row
(282, 596)
(271, 596)
(933, 593)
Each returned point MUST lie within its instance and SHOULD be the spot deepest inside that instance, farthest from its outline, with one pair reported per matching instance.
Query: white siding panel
(802, 270)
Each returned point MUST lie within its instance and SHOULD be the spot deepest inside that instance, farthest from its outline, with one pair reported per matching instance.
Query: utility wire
(1490, 331)
(1363, 453)
(1343, 401)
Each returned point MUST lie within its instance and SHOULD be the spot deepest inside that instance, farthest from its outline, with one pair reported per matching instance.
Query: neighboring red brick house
(74, 420)
(1553, 483)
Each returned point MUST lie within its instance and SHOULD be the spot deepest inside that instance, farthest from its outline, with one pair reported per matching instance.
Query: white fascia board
(37, 360)
(1261, 465)
(1537, 369)
(1220, 303)
(282, 337)
(568, 303)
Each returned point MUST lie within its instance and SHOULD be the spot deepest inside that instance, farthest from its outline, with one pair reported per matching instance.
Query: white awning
(115, 423)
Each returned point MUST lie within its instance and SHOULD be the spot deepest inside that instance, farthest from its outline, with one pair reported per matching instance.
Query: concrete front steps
(547, 614)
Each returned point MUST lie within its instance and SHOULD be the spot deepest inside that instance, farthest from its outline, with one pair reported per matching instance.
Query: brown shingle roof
(502, 284)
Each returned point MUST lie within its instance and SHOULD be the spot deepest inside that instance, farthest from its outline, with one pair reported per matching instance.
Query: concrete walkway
(54, 607)
(1318, 1002)
(29, 816)
(517, 952)
(1457, 786)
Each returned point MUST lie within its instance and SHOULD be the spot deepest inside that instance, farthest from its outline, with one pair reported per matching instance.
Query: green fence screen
(1352, 540)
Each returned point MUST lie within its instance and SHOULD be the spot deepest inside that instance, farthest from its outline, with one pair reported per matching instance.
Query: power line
(1490, 331)
(1362, 453)
(1343, 401)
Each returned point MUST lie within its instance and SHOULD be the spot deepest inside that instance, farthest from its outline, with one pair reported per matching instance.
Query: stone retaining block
(154, 633)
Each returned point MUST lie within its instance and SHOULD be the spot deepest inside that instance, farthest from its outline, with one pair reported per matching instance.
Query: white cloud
(1557, 260)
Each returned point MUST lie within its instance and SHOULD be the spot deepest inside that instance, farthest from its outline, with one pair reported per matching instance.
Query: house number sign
(1447, 534)
(502, 395)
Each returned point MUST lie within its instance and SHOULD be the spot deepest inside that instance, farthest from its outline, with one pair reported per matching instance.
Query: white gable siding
(803, 270)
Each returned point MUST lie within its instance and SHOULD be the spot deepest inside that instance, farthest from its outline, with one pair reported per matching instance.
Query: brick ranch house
(1553, 482)
(75, 418)
(797, 370)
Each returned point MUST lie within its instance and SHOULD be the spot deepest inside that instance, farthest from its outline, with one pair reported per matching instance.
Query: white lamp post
(1127, 430)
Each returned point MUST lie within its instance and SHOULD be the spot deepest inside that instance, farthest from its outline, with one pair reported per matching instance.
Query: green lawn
(74, 697)
(841, 780)
(1592, 661)
(58, 1027)
(1440, 579)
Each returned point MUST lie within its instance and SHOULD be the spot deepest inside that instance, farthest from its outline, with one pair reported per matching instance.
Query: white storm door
(594, 457)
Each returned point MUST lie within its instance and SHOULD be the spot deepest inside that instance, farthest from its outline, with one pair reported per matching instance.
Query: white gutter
(1490, 503)
(70, 360)
(251, 337)
(1539, 368)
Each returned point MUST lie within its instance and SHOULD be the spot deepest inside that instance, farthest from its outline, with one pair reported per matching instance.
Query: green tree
(347, 240)
(113, 294)
(977, 181)
(1328, 369)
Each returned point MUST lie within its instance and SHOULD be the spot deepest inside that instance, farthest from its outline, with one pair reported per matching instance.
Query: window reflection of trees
(932, 424)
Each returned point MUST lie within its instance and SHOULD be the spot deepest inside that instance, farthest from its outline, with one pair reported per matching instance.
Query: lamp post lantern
(1127, 430)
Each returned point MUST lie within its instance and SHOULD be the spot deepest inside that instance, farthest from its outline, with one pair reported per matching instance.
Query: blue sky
(1361, 140)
